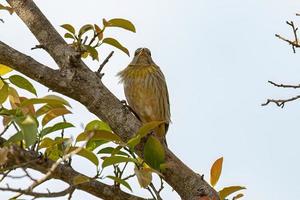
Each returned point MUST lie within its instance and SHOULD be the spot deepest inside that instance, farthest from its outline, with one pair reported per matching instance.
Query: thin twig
(38, 194)
(280, 102)
(284, 85)
(103, 64)
(39, 46)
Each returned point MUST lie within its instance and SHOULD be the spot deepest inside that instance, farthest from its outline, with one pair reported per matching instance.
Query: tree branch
(83, 85)
(18, 157)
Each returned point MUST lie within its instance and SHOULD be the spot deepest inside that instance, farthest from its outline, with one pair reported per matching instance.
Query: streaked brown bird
(146, 90)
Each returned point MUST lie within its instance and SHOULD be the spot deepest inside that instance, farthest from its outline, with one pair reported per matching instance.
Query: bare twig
(103, 64)
(38, 194)
(280, 102)
(295, 43)
(39, 46)
(284, 85)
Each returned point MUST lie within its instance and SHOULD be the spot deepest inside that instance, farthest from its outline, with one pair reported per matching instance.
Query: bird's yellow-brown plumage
(146, 90)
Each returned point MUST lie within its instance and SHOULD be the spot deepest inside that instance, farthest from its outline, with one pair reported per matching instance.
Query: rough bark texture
(76, 80)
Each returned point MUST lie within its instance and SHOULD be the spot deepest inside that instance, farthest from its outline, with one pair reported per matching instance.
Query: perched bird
(146, 90)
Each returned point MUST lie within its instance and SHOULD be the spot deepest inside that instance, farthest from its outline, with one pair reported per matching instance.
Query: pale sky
(217, 57)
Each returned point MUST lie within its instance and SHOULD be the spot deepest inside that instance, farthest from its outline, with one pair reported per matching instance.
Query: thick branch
(18, 156)
(43, 31)
(85, 86)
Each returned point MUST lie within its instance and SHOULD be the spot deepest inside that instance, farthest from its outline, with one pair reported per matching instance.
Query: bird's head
(142, 56)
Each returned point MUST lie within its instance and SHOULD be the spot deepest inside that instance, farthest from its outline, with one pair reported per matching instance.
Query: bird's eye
(137, 51)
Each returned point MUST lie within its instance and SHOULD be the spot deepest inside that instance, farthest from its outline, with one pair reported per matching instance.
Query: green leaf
(216, 171)
(121, 23)
(121, 181)
(3, 93)
(225, 192)
(86, 154)
(142, 132)
(22, 82)
(115, 160)
(98, 135)
(154, 153)
(56, 127)
(53, 153)
(29, 129)
(97, 125)
(93, 144)
(110, 150)
(84, 29)
(69, 35)
(4, 69)
(115, 43)
(49, 99)
(52, 114)
(69, 28)
(79, 179)
(92, 52)
(46, 142)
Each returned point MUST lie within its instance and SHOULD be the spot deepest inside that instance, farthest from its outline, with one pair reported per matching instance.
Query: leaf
(84, 29)
(115, 160)
(121, 23)
(216, 171)
(98, 135)
(69, 28)
(56, 127)
(225, 192)
(144, 176)
(92, 52)
(9, 9)
(97, 125)
(52, 114)
(115, 43)
(93, 144)
(53, 153)
(3, 93)
(49, 99)
(79, 179)
(14, 98)
(237, 196)
(99, 32)
(46, 142)
(29, 129)
(142, 132)
(46, 108)
(69, 35)
(86, 154)
(154, 153)
(110, 150)
(4, 69)
(23, 83)
(28, 109)
(121, 181)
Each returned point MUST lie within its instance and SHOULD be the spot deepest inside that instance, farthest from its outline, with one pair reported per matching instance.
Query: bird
(146, 91)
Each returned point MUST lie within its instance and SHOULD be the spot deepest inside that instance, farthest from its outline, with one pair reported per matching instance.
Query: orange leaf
(215, 171)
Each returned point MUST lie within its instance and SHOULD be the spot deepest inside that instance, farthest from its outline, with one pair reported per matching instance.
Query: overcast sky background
(217, 57)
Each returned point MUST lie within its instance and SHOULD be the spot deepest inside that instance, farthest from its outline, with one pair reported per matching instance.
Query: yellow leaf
(144, 176)
(56, 112)
(4, 69)
(215, 171)
(225, 192)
